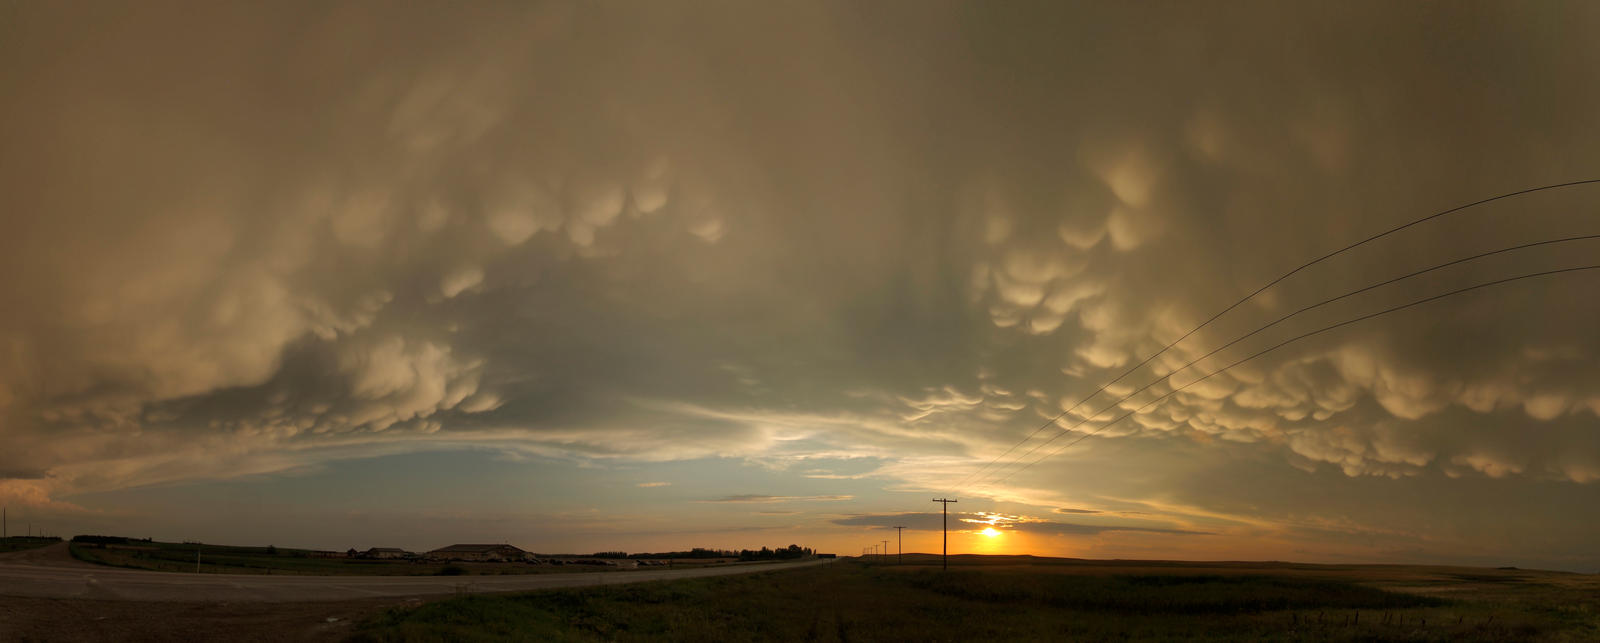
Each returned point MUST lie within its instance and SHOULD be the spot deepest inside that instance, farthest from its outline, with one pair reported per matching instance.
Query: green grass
(19, 543)
(1166, 594)
(850, 601)
(229, 559)
(224, 559)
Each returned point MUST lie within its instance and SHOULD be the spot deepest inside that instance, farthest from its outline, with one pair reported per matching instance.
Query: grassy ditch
(226, 559)
(19, 543)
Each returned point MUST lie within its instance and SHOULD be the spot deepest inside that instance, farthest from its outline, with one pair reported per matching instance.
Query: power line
(1282, 344)
(1286, 317)
(1260, 290)
(900, 545)
(946, 552)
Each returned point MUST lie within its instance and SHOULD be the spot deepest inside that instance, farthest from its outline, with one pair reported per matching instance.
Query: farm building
(478, 552)
(385, 552)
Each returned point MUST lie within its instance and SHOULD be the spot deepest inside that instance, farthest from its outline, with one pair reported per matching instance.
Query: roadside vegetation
(1045, 599)
(19, 543)
(133, 553)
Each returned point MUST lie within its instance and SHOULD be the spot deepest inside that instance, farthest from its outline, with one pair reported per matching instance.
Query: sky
(646, 276)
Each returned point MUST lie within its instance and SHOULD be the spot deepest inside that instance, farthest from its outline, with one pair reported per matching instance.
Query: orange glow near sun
(990, 532)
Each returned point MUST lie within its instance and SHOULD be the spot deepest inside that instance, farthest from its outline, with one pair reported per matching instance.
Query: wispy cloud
(980, 520)
(654, 484)
(754, 498)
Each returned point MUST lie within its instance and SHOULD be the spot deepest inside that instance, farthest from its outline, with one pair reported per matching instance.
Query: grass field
(19, 543)
(1002, 598)
(224, 559)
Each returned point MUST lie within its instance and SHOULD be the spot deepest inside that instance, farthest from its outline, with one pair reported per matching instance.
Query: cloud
(756, 498)
(555, 231)
(653, 484)
(978, 521)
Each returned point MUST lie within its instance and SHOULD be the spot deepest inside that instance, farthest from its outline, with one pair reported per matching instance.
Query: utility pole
(197, 558)
(899, 546)
(946, 559)
(885, 549)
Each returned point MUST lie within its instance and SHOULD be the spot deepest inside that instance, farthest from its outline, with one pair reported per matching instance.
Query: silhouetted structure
(945, 560)
(899, 546)
(478, 552)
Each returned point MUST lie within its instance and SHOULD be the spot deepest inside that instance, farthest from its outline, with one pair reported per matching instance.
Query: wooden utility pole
(946, 555)
(899, 546)
(885, 549)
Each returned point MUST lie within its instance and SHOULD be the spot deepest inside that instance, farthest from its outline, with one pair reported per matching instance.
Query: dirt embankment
(53, 555)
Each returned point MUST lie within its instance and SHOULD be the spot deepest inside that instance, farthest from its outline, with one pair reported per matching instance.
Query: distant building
(385, 552)
(478, 553)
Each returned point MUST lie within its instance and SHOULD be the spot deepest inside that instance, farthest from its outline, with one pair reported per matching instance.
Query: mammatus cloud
(658, 234)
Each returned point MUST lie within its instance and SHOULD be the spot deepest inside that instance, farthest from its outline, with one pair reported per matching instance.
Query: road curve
(45, 573)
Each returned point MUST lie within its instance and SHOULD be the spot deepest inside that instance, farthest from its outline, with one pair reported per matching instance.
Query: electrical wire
(1280, 345)
(1258, 291)
(1308, 308)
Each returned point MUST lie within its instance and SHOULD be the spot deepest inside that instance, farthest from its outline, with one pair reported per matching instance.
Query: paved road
(50, 572)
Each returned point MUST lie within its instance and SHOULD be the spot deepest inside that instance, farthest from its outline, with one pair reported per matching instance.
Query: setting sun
(990, 532)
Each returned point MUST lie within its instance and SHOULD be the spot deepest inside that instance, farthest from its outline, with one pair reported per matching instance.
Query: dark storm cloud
(247, 238)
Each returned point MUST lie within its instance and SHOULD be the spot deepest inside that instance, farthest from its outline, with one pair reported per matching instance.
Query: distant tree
(100, 540)
(272, 551)
(792, 552)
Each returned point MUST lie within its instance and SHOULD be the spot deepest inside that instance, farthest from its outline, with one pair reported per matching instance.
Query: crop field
(226, 559)
(999, 598)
